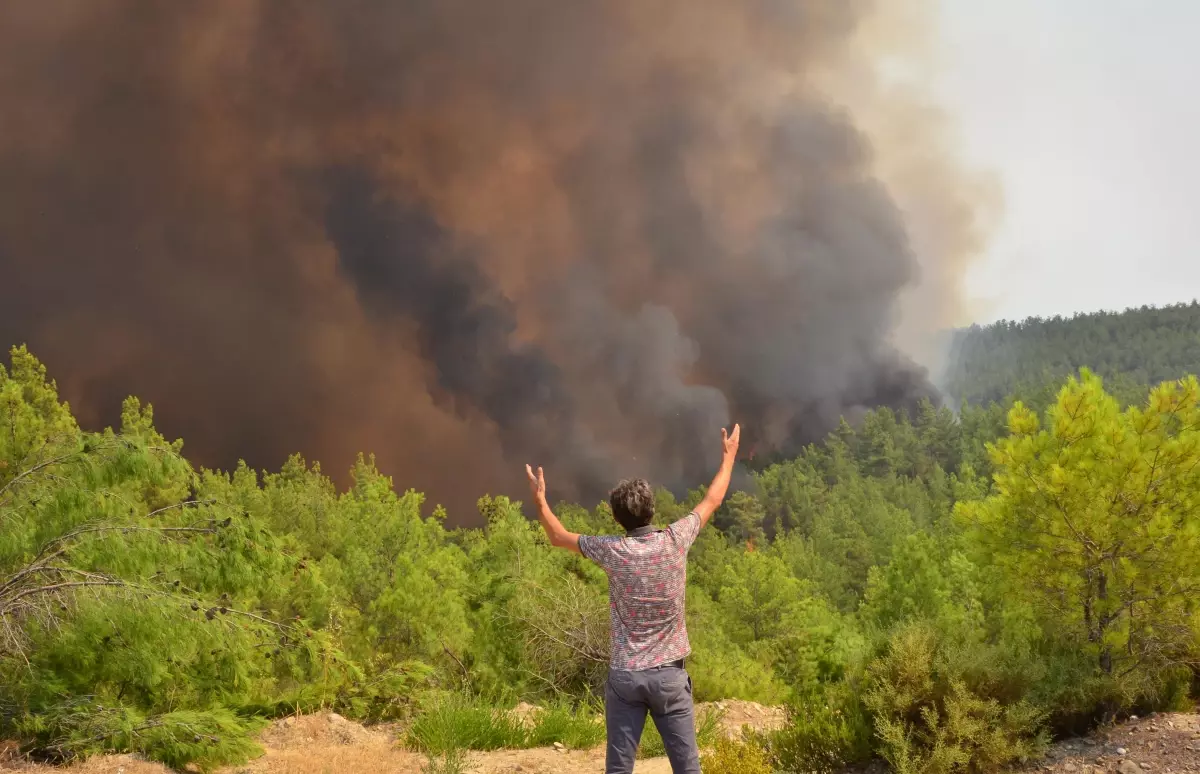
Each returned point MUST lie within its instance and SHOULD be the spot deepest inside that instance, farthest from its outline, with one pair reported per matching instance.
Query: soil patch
(736, 715)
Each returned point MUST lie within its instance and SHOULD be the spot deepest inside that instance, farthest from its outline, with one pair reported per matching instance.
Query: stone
(1121, 751)
(1128, 767)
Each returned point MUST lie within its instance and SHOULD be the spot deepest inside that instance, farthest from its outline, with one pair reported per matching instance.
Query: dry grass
(328, 744)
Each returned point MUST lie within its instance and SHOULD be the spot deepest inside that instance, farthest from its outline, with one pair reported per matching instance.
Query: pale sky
(1089, 110)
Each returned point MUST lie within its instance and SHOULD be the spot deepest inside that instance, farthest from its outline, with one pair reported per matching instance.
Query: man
(647, 572)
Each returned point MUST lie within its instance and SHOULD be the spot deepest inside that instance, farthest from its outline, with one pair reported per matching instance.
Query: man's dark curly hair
(632, 503)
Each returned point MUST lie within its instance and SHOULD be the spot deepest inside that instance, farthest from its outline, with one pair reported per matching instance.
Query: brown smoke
(950, 209)
(463, 235)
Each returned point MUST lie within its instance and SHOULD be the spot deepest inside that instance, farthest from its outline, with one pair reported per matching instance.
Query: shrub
(564, 633)
(733, 757)
(205, 740)
(825, 732)
(383, 695)
(457, 721)
(580, 727)
(932, 714)
(460, 722)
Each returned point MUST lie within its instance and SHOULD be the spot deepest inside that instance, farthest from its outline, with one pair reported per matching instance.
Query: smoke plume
(462, 235)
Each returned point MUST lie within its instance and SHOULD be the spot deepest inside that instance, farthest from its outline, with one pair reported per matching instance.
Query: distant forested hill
(1130, 350)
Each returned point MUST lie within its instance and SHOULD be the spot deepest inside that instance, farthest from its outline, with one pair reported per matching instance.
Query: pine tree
(1096, 517)
(125, 591)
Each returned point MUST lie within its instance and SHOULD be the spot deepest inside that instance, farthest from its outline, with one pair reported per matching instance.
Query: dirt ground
(329, 744)
(1163, 743)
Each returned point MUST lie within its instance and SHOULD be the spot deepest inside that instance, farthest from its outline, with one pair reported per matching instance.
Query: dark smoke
(463, 235)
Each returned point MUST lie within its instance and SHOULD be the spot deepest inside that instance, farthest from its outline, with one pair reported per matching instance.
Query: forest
(945, 591)
(1129, 350)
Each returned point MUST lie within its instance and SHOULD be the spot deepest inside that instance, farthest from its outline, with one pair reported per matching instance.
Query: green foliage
(459, 721)
(934, 588)
(926, 579)
(578, 727)
(456, 721)
(1132, 350)
(380, 693)
(206, 739)
(1097, 514)
(825, 732)
(718, 666)
(935, 711)
(563, 629)
(756, 592)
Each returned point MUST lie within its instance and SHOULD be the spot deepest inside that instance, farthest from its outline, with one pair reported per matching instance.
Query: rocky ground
(1162, 743)
(328, 744)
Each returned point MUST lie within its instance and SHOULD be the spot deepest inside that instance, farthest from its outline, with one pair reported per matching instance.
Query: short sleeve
(599, 549)
(684, 531)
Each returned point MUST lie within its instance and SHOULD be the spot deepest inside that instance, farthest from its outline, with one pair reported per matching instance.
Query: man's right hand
(537, 484)
(720, 483)
(730, 442)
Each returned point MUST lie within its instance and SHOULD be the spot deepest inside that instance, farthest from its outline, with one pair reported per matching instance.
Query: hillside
(937, 587)
(1131, 350)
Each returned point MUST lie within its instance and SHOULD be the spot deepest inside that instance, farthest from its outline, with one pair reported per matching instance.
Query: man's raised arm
(720, 483)
(554, 529)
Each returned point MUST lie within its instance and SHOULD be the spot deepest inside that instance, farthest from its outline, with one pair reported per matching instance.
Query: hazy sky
(1090, 112)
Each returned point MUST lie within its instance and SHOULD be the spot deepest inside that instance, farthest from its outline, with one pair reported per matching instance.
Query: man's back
(647, 579)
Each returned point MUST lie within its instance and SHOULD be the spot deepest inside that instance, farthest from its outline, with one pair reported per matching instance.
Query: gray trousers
(666, 693)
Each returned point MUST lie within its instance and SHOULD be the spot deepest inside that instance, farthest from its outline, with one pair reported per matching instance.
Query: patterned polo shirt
(646, 586)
